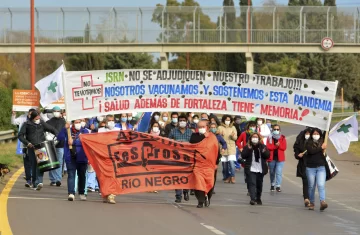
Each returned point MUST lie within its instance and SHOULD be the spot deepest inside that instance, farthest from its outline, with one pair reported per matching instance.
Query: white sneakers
(71, 197)
(82, 197)
(39, 187)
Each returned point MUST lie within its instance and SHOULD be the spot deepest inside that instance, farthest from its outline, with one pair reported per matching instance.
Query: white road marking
(213, 229)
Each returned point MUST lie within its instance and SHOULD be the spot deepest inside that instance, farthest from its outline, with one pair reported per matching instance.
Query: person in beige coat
(228, 132)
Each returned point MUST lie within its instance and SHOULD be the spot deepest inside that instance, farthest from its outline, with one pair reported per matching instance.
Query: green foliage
(129, 61)
(6, 108)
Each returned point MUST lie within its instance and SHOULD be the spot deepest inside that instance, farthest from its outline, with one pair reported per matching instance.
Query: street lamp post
(32, 41)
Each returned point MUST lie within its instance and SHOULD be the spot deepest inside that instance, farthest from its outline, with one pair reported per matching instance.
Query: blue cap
(57, 108)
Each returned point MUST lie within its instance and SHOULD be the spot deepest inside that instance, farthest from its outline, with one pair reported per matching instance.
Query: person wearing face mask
(174, 123)
(19, 121)
(181, 134)
(241, 143)
(155, 117)
(255, 154)
(58, 123)
(131, 119)
(277, 147)
(189, 116)
(202, 135)
(300, 155)
(237, 124)
(164, 120)
(193, 124)
(32, 133)
(110, 125)
(75, 158)
(315, 168)
(262, 129)
(229, 133)
(156, 130)
(124, 124)
(269, 124)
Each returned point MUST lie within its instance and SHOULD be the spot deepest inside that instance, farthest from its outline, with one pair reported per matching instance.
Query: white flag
(343, 133)
(51, 87)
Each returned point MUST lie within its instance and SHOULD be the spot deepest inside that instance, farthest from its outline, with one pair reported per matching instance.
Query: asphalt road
(48, 211)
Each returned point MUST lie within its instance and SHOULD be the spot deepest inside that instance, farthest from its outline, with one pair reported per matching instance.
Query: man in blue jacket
(75, 158)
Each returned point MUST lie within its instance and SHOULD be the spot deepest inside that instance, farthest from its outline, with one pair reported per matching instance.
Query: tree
(330, 3)
(129, 61)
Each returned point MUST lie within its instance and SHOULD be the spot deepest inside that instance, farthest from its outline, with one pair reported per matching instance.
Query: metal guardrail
(345, 114)
(7, 136)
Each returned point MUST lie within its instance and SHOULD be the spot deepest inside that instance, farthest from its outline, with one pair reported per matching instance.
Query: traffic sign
(327, 43)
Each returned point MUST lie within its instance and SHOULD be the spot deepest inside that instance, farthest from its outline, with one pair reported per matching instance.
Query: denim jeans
(179, 192)
(56, 175)
(27, 165)
(316, 176)
(228, 169)
(275, 168)
(92, 181)
(238, 153)
(37, 176)
(72, 168)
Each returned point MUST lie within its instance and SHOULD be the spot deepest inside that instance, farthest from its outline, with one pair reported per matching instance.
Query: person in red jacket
(277, 145)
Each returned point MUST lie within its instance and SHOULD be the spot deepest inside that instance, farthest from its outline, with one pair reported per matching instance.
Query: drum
(46, 156)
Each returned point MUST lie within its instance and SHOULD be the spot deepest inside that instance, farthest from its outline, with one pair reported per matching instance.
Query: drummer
(32, 133)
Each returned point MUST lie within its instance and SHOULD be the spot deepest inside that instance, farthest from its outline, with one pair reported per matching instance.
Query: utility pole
(248, 20)
(32, 41)
(187, 53)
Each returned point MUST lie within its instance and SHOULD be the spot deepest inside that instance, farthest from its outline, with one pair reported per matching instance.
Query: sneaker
(82, 197)
(272, 189)
(111, 199)
(259, 202)
(71, 197)
(97, 190)
(311, 206)
(252, 202)
(90, 189)
(278, 189)
(186, 196)
(58, 183)
(306, 202)
(178, 200)
(28, 184)
(200, 205)
(323, 205)
(39, 187)
(52, 184)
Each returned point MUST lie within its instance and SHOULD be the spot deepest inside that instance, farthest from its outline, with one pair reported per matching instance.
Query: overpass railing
(271, 24)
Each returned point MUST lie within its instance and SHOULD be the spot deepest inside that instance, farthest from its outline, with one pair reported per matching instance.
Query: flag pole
(329, 120)
(64, 64)
(32, 42)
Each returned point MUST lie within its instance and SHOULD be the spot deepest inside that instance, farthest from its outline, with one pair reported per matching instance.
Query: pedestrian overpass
(271, 29)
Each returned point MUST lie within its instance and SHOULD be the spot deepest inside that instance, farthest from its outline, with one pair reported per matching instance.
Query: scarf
(277, 137)
(256, 152)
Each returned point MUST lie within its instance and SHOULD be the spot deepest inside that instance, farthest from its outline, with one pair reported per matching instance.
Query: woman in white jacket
(263, 129)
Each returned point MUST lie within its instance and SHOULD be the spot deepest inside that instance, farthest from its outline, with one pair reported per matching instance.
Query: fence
(277, 24)
(7, 136)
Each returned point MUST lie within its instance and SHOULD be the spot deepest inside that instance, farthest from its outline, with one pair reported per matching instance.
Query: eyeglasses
(276, 129)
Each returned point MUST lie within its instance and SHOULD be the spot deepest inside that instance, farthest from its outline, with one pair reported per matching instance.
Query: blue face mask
(174, 120)
(123, 119)
(213, 130)
(276, 132)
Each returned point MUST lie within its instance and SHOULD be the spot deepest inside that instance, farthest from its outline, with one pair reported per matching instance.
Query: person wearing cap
(19, 121)
(58, 122)
(31, 134)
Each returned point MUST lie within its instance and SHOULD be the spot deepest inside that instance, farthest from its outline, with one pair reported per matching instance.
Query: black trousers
(27, 165)
(200, 195)
(255, 181)
(305, 187)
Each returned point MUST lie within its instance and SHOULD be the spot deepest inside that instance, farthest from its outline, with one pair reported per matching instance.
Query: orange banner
(23, 100)
(131, 162)
(60, 103)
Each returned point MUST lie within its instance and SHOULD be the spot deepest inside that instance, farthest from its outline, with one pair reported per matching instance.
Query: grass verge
(8, 155)
(355, 148)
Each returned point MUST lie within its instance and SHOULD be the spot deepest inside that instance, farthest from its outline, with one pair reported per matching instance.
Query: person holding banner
(181, 134)
(262, 129)
(255, 154)
(19, 121)
(32, 133)
(228, 131)
(315, 168)
(58, 123)
(300, 155)
(277, 145)
(75, 158)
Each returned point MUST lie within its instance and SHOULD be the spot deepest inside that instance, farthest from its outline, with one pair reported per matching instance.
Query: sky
(133, 3)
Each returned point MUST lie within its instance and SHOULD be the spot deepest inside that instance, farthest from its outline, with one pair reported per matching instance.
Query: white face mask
(202, 130)
(155, 129)
(196, 121)
(227, 123)
(83, 124)
(37, 121)
(100, 118)
(259, 123)
(255, 140)
(56, 114)
(316, 137)
(156, 117)
(165, 119)
(129, 118)
(77, 126)
(111, 125)
(307, 137)
(64, 117)
(182, 124)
